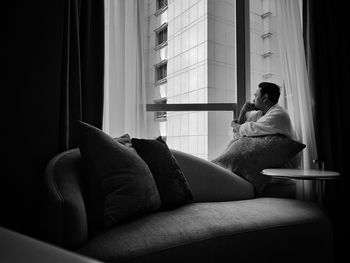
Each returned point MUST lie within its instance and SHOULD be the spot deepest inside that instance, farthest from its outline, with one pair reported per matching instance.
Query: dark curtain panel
(53, 60)
(328, 63)
(82, 72)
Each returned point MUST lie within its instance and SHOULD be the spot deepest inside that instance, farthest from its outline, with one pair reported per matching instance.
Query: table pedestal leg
(320, 191)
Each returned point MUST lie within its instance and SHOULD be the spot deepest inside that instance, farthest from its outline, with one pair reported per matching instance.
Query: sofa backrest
(64, 219)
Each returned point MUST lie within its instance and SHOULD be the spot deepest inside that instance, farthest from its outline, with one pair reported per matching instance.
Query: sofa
(19, 248)
(226, 222)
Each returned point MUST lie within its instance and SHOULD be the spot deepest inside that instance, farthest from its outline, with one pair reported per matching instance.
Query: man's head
(266, 95)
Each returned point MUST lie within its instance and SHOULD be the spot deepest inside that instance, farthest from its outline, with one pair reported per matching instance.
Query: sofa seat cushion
(265, 228)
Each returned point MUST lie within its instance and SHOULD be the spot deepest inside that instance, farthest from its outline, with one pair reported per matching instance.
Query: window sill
(160, 63)
(160, 10)
(160, 28)
(160, 119)
(164, 44)
(161, 81)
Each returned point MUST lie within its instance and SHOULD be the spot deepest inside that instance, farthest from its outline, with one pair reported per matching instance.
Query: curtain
(329, 65)
(326, 36)
(82, 68)
(53, 76)
(125, 76)
(296, 82)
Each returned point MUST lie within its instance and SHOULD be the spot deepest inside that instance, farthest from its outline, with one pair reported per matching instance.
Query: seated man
(264, 116)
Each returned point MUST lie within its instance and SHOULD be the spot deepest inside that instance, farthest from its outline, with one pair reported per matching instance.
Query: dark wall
(31, 93)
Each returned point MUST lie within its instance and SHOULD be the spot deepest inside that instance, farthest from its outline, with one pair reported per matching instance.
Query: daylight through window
(203, 70)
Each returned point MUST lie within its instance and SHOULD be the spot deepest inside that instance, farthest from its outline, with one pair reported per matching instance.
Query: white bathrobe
(275, 121)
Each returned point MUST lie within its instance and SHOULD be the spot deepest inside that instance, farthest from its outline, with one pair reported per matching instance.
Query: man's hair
(270, 89)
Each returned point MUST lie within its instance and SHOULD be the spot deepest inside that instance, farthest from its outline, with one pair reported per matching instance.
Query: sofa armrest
(16, 247)
(210, 182)
(64, 218)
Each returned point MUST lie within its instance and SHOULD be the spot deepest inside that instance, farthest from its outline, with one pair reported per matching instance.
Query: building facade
(191, 58)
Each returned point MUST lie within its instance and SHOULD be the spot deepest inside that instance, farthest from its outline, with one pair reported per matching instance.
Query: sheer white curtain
(297, 87)
(125, 93)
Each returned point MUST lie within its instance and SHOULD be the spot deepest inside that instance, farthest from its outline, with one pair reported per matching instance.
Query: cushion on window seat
(248, 156)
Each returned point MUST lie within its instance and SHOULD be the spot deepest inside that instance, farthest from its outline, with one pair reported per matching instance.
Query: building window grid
(161, 68)
(242, 79)
(243, 66)
(265, 36)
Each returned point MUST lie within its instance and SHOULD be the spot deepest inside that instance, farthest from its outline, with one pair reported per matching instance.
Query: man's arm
(242, 118)
(248, 106)
(274, 123)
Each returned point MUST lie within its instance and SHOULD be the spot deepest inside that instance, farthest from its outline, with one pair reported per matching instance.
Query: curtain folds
(53, 76)
(296, 83)
(125, 76)
(82, 68)
(328, 62)
(295, 75)
(329, 67)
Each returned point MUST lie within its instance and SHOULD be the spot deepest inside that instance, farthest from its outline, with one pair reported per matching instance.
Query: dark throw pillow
(120, 184)
(172, 185)
(248, 156)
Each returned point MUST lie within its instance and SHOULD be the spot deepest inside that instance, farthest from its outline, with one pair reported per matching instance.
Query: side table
(319, 176)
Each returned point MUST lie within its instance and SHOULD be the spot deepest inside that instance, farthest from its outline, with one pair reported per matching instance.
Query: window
(160, 115)
(206, 70)
(161, 4)
(199, 77)
(161, 36)
(161, 71)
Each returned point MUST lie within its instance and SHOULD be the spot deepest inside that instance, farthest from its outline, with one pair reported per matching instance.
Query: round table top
(305, 174)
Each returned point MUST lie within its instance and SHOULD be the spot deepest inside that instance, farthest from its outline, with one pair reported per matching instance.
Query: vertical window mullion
(243, 53)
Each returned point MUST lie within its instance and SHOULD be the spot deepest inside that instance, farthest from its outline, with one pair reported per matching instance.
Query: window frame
(157, 67)
(157, 32)
(161, 9)
(243, 71)
(160, 115)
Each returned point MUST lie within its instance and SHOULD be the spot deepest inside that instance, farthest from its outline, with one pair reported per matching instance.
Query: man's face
(258, 99)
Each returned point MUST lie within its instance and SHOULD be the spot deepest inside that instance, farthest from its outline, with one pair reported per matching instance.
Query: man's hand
(248, 106)
(235, 126)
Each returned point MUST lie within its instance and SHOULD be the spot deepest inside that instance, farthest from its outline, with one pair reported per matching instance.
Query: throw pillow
(120, 184)
(171, 182)
(125, 140)
(248, 156)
